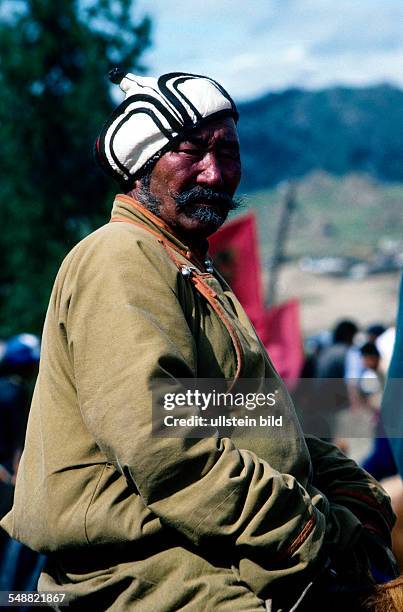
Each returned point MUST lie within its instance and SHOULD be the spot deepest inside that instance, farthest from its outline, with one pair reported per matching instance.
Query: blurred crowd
(19, 360)
(343, 376)
(339, 398)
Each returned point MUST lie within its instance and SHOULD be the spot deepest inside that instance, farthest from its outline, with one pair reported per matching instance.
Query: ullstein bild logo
(223, 421)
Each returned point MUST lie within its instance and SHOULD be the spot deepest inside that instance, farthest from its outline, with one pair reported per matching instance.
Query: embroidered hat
(154, 115)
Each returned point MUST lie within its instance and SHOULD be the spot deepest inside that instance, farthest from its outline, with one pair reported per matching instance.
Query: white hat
(155, 114)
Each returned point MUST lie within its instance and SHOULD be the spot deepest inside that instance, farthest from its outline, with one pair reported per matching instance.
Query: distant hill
(339, 131)
(350, 215)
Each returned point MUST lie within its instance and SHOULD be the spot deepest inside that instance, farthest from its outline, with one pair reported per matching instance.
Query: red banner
(234, 249)
(280, 332)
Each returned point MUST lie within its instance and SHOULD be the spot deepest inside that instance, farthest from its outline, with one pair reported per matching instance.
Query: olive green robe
(132, 521)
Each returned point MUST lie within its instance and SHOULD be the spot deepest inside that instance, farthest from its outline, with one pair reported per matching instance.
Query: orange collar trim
(197, 257)
(144, 211)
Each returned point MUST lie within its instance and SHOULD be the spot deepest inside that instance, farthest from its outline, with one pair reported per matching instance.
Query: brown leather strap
(137, 223)
(143, 210)
(211, 296)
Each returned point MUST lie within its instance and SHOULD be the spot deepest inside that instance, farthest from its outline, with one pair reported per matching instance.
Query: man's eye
(193, 152)
(221, 153)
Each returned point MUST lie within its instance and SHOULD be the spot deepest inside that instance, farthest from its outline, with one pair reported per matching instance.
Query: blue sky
(255, 46)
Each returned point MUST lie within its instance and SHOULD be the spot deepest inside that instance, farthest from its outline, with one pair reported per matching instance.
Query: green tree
(54, 97)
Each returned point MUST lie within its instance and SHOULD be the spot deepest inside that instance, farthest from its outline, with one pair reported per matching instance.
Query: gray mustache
(197, 194)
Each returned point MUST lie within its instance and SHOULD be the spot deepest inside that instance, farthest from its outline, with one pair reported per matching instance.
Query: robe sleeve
(346, 484)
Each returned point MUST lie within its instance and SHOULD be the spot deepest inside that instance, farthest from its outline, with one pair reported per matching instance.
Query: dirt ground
(324, 299)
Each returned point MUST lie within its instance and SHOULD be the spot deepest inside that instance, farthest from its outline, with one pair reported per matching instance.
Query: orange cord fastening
(198, 282)
(211, 296)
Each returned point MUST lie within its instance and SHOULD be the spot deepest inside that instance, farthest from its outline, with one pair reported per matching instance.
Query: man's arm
(125, 328)
(345, 483)
(360, 519)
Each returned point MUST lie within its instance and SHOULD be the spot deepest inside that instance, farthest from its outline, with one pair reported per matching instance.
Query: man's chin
(202, 221)
(209, 217)
(210, 214)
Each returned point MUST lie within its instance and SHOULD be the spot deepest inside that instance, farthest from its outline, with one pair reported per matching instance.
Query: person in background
(374, 331)
(371, 381)
(355, 366)
(332, 389)
(380, 462)
(332, 359)
(18, 370)
(19, 566)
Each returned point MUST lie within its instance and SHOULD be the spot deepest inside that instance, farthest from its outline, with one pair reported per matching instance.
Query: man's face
(194, 183)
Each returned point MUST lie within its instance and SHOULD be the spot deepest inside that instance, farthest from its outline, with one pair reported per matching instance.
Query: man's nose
(210, 172)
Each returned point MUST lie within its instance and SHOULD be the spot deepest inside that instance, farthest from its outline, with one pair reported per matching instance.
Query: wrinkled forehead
(217, 129)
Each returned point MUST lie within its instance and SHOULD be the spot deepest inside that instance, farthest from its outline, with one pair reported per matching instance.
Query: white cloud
(295, 54)
(266, 45)
(245, 62)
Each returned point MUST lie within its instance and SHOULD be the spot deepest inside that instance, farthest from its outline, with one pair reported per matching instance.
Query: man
(332, 383)
(132, 521)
